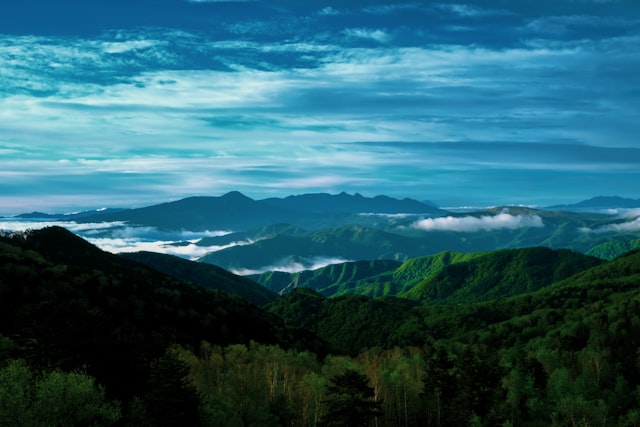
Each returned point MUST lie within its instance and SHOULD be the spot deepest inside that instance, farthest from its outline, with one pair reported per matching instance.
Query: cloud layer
(293, 264)
(471, 224)
(118, 237)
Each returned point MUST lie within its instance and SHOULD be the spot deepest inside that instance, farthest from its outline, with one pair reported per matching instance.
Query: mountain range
(402, 238)
(309, 231)
(556, 326)
(235, 211)
(444, 278)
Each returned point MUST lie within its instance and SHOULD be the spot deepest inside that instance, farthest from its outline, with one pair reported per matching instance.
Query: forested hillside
(64, 304)
(205, 275)
(90, 338)
(447, 277)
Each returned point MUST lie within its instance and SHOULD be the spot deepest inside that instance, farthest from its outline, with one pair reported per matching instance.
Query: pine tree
(350, 401)
(172, 400)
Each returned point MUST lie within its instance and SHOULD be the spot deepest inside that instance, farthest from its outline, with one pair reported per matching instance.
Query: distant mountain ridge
(235, 211)
(345, 203)
(599, 203)
(68, 216)
(403, 239)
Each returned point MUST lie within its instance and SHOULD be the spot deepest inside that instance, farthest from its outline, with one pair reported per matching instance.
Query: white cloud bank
(621, 227)
(292, 265)
(472, 224)
(118, 237)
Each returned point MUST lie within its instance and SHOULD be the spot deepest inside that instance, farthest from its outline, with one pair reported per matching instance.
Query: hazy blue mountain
(205, 275)
(237, 212)
(68, 216)
(342, 243)
(311, 230)
(346, 203)
(232, 211)
(599, 203)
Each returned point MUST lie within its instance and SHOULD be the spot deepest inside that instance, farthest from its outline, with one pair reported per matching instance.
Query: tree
(54, 398)
(172, 400)
(350, 401)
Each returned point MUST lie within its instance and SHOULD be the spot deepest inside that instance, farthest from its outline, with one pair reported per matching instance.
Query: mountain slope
(500, 274)
(350, 277)
(66, 303)
(401, 239)
(205, 275)
(343, 243)
(231, 211)
(354, 322)
(447, 277)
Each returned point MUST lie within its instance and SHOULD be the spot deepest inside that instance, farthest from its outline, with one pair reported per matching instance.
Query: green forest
(524, 337)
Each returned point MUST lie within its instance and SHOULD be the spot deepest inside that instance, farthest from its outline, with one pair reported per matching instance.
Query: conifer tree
(172, 400)
(350, 401)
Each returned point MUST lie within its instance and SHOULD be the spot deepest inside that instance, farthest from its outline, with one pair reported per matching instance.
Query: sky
(481, 103)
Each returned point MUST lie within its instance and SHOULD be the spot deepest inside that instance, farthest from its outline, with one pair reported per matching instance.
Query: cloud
(293, 264)
(629, 226)
(392, 8)
(118, 237)
(469, 11)
(390, 216)
(472, 224)
(328, 11)
(378, 35)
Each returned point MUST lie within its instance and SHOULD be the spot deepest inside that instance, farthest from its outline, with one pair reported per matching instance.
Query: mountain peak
(235, 195)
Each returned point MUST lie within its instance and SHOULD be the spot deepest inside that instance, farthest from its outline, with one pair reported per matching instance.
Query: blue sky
(130, 103)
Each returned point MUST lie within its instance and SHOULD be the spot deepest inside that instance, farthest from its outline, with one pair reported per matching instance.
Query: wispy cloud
(470, 11)
(118, 237)
(630, 223)
(472, 224)
(292, 264)
(622, 227)
(329, 11)
(378, 35)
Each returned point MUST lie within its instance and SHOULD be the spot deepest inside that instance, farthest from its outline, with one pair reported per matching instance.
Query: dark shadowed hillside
(68, 304)
(205, 275)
